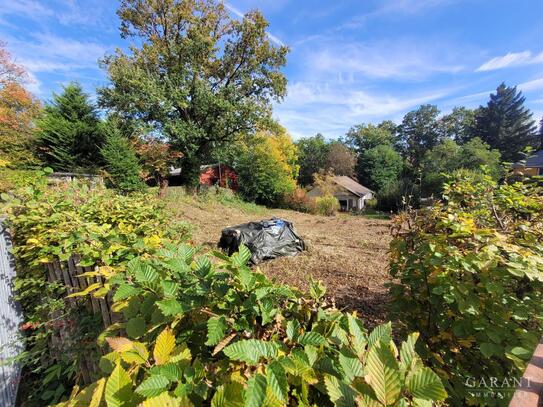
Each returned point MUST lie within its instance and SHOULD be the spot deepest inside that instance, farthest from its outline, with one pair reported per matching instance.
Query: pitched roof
(352, 186)
(536, 160)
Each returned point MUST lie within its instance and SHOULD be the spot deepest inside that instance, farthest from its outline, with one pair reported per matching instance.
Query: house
(533, 165)
(210, 175)
(350, 194)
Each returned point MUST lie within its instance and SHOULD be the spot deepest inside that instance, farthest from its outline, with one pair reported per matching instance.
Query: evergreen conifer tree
(121, 162)
(506, 124)
(70, 136)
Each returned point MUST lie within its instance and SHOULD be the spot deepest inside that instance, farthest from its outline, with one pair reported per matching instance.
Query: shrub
(266, 167)
(370, 203)
(327, 205)
(470, 279)
(398, 195)
(202, 333)
(51, 224)
(299, 201)
(122, 165)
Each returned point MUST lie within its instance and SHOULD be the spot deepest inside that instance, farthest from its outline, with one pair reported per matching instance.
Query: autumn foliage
(18, 109)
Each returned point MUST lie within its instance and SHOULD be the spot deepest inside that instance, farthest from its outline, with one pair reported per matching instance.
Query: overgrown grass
(211, 196)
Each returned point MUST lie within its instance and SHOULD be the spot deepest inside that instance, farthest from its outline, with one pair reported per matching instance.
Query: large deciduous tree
(459, 124)
(340, 159)
(379, 166)
(18, 110)
(506, 124)
(365, 136)
(70, 132)
(419, 132)
(197, 76)
(267, 167)
(448, 156)
(312, 153)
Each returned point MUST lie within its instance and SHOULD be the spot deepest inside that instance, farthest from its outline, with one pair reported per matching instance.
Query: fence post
(11, 341)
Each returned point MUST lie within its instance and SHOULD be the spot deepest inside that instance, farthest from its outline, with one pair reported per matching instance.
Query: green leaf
(153, 386)
(216, 329)
(316, 289)
(135, 327)
(118, 388)
(125, 291)
(360, 338)
(145, 273)
(381, 333)
(277, 380)
(521, 352)
(407, 351)
(171, 307)
(425, 384)
(171, 371)
(312, 338)
(242, 256)
(383, 374)
(229, 395)
(170, 288)
(256, 391)
(350, 364)
(293, 329)
(251, 351)
(247, 278)
(489, 349)
(341, 394)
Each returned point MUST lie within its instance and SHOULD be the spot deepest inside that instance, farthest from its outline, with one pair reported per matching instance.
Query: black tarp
(266, 239)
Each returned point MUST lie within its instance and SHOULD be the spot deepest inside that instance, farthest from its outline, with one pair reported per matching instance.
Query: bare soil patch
(348, 253)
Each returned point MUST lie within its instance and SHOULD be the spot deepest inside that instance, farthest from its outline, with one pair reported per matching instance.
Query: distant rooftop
(351, 185)
(536, 160)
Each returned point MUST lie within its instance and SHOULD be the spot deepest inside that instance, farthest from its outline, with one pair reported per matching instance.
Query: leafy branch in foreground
(469, 275)
(198, 332)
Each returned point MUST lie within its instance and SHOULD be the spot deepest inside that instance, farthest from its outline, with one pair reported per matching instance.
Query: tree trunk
(162, 186)
(190, 172)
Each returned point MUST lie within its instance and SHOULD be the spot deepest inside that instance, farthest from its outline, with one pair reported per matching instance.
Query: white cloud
(32, 9)
(239, 14)
(233, 10)
(511, 59)
(45, 52)
(332, 109)
(383, 59)
(395, 7)
(535, 84)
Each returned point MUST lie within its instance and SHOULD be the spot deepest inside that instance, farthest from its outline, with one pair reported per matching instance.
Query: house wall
(528, 171)
(354, 202)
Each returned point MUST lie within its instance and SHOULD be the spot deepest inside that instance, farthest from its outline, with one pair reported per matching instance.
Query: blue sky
(350, 61)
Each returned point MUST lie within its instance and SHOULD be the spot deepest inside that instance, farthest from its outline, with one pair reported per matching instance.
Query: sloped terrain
(348, 253)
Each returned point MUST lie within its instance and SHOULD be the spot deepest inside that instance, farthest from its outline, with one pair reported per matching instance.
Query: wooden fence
(64, 328)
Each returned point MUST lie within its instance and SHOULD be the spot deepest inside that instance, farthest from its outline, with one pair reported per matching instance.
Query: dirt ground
(348, 253)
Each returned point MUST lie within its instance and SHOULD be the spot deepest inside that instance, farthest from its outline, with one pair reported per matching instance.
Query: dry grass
(348, 253)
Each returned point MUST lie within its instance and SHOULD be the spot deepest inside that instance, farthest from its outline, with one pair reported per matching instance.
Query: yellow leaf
(165, 343)
(152, 241)
(98, 392)
(86, 291)
(32, 241)
(101, 292)
(119, 306)
(120, 344)
(165, 400)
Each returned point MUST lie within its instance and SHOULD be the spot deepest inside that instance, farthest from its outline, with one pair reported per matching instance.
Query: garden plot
(348, 253)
